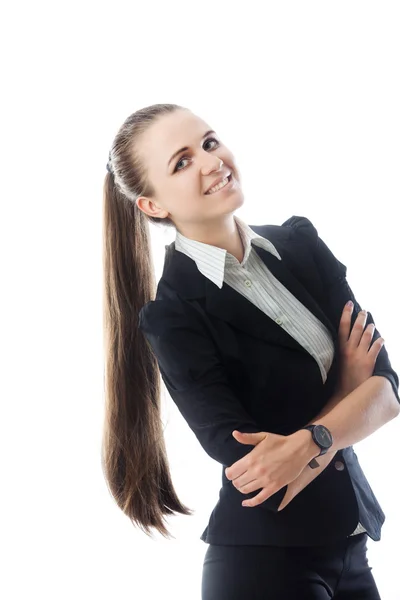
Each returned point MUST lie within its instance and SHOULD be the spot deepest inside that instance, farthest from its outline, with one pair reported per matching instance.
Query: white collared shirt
(254, 281)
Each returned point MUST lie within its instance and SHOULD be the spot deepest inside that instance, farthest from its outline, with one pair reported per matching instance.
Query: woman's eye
(211, 140)
(186, 158)
(179, 162)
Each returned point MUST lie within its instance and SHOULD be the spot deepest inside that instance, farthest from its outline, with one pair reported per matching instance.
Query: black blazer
(229, 366)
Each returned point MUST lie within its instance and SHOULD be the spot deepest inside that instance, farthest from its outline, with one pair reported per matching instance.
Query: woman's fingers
(358, 336)
(351, 336)
(344, 325)
(376, 348)
(367, 337)
(358, 329)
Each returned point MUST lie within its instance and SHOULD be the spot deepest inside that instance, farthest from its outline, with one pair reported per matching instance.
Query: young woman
(277, 377)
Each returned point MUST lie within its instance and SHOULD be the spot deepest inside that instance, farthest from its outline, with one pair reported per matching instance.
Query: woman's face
(181, 178)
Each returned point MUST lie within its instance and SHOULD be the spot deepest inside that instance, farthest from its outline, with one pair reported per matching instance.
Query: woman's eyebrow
(187, 148)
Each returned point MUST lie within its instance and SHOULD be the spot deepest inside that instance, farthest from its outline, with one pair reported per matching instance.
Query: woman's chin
(238, 198)
(233, 204)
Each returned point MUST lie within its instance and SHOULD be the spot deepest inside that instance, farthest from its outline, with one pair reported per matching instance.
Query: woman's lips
(226, 186)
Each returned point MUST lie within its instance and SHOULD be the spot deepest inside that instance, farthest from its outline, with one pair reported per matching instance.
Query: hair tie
(109, 164)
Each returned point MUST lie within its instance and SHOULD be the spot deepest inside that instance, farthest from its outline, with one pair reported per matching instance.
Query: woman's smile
(226, 184)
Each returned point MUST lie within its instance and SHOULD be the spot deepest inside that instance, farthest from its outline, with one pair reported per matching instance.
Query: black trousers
(338, 571)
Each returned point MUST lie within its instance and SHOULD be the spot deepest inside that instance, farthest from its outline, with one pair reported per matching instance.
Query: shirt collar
(212, 261)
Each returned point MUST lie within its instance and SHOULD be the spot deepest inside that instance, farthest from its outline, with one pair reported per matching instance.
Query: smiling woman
(181, 175)
(242, 329)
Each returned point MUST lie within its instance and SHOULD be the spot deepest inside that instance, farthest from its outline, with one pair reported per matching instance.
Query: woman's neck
(223, 234)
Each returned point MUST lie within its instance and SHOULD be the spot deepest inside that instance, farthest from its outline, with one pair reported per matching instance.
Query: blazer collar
(212, 261)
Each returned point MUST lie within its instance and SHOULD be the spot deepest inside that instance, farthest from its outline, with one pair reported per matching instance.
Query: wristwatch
(322, 437)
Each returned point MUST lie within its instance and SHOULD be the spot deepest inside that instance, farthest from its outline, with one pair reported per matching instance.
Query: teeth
(219, 186)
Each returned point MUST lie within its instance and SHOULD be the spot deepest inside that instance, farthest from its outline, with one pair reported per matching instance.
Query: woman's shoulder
(292, 228)
(302, 225)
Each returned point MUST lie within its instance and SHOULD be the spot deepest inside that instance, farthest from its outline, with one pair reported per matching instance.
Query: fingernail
(349, 303)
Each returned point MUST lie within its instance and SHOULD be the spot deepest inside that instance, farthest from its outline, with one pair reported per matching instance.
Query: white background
(307, 96)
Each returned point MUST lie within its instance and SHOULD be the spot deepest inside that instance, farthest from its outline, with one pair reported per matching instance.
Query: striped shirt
(254, 281)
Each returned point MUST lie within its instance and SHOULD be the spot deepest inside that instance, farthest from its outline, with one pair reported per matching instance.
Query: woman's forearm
(360, 413)
(333, 401)
(330, 405)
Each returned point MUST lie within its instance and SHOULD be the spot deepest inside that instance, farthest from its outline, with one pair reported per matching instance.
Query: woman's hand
(275, 461)
(357, 359)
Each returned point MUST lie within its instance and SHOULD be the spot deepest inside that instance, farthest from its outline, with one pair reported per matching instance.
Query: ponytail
(134, 459)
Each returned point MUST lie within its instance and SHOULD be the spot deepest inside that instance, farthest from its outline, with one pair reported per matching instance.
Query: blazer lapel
(182, 274)
(230, 306)
(285, 272)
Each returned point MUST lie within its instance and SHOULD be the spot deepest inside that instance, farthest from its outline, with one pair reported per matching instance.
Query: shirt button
(247, 282)
(279, 321)
(339, 465)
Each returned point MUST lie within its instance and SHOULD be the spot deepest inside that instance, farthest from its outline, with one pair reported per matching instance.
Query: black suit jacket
(229, 366)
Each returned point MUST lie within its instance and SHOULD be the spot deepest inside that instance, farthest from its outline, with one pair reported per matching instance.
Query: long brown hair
(134, 459)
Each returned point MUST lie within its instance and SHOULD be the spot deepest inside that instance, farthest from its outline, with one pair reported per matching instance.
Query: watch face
(323, 436)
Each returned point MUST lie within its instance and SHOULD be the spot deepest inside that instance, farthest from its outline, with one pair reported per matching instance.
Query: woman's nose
(212, 165)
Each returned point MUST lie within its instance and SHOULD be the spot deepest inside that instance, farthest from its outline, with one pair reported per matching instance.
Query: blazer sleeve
(197, 382)
(333, 276)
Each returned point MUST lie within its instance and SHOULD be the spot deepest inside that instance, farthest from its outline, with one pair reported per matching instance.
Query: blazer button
(339, 465)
